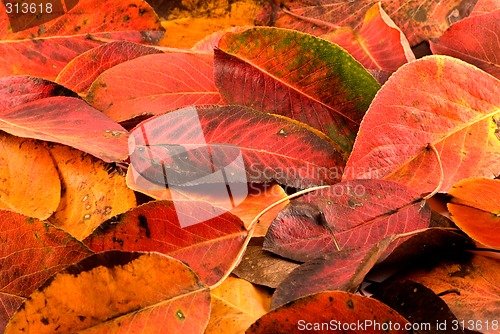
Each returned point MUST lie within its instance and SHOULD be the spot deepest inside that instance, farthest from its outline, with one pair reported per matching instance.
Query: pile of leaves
(359, 159)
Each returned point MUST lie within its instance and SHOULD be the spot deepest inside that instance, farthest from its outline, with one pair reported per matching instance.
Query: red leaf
(341, 311)
(79, 74)
(449, 104)
(418, 20)
(271, 148)
(209, 247)
(378, 45)
(22, 240)
(484, 6)
(475, 40)
(46, 57)
(18, 90)
(294, 74)
(356, 214)
(88, 16)
(69, 121)
(154, 84)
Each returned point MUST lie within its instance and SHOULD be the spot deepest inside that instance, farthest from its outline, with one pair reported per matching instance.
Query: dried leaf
(418, 20)
(87, 16)
(46, 57)
(262, 267)
(467, 285)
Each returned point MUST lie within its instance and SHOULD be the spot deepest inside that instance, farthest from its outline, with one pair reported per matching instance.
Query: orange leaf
(29, 182)
(475, 208)
(113, 291)
(92, 192)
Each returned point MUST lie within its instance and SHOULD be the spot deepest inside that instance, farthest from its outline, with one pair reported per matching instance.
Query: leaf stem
(251, 229)
(441, 177)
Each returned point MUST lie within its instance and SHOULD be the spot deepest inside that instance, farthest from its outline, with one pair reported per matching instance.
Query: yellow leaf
(236, 304)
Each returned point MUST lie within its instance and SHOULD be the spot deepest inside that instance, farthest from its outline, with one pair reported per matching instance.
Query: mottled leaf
(79, 74)
(155, 84)
(270, 148)
(419, 20)
(296, 75)
(342, 312)
(209, 247)
(475, 208)
(351, 215)
(378, 45)
(439, 101)
(68, 121)
(87, 16)
(29, 182)
(31, 251)
(112, 291)
(92, 192)
(475, 40)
